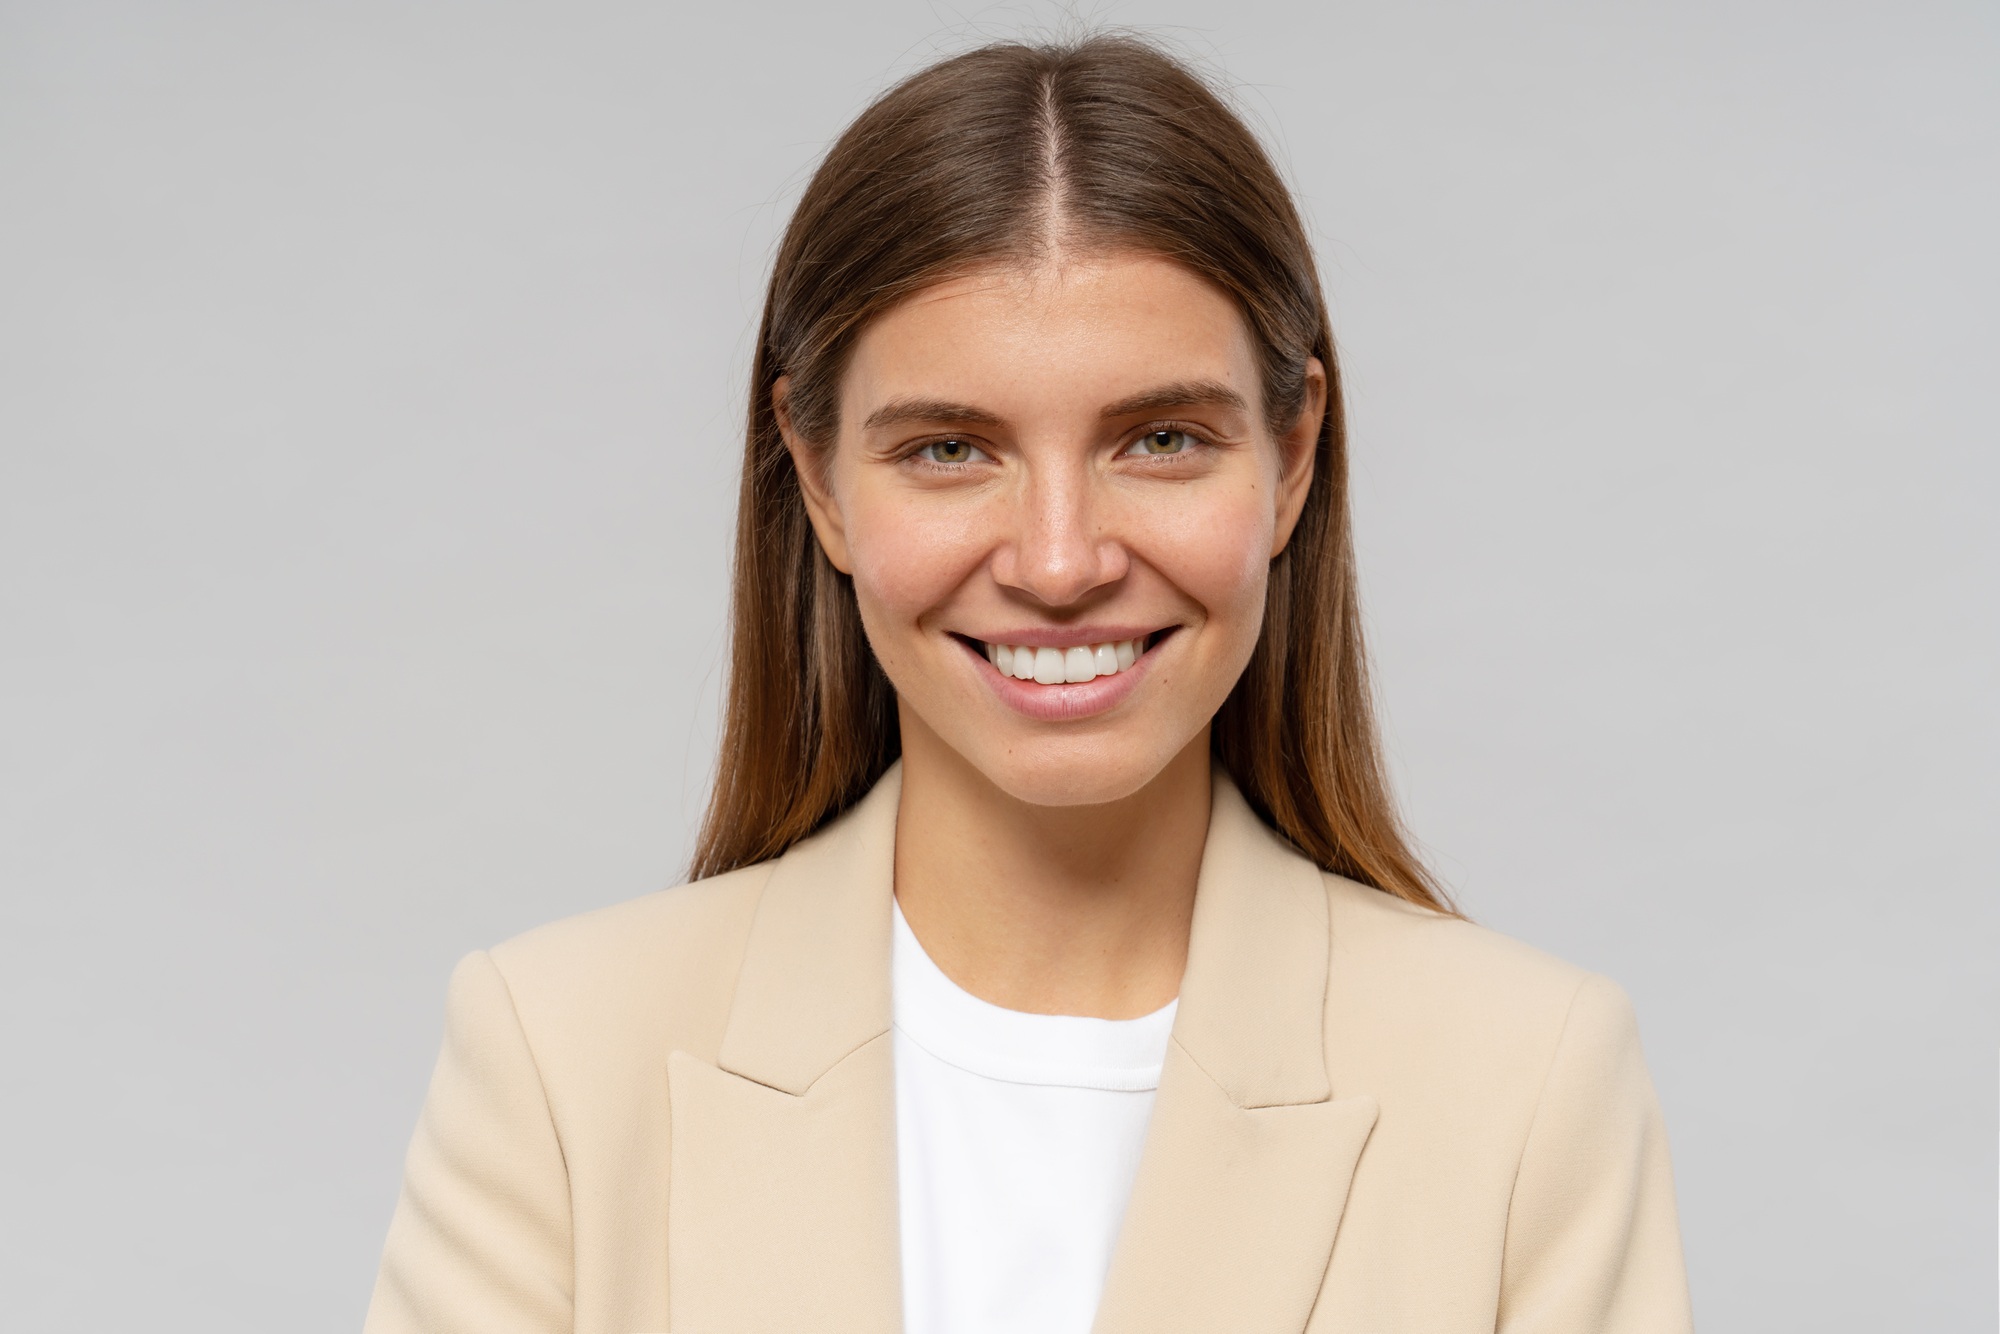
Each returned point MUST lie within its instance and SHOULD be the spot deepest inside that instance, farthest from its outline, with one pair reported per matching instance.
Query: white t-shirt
(1017, 1139)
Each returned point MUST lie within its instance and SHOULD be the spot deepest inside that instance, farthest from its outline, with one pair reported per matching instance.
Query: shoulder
(1405, 946)
(654, 972)
(639, 934)
(1517, 1125)
(1419, 997)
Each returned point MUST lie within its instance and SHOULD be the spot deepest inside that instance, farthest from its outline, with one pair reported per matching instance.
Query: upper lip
(1066, 636)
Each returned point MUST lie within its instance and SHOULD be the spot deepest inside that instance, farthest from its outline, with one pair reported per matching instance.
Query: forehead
(1053, 339)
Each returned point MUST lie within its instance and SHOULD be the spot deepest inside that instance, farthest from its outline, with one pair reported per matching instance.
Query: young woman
(1054, 961)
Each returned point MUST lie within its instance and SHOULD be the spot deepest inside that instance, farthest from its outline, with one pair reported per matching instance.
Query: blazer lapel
(1249, 1154)
(782, 1195)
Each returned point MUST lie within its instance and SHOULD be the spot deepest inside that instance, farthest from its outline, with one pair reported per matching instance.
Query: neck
(1080, 910)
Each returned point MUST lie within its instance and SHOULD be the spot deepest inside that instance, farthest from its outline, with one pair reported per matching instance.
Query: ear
(1298, 454)
(811, 465)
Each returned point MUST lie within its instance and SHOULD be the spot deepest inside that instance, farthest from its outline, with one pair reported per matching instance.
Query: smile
(1072, 664)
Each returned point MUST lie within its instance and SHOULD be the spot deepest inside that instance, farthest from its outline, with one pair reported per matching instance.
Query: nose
(1059, 547)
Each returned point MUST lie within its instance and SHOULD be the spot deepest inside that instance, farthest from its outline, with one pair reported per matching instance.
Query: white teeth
(1064, 666)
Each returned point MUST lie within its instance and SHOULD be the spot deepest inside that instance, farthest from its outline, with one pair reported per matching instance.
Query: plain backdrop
(371, 380)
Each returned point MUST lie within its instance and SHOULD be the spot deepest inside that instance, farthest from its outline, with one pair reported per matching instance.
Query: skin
(977, 486)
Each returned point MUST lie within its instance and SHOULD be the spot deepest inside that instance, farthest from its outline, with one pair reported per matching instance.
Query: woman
(1054, 959)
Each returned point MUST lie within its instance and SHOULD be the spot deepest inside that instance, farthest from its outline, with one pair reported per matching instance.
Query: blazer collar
(814, 985)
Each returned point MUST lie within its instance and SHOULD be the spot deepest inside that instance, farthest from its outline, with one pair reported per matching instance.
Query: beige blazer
(678, 1114)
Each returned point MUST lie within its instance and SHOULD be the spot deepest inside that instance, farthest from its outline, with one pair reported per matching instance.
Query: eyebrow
(900, 411)
(1180, 394)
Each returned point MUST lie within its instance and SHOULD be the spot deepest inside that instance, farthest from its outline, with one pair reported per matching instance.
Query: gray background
(370, 381)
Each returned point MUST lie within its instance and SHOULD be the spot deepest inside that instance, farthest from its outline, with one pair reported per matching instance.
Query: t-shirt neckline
(1073, 1051)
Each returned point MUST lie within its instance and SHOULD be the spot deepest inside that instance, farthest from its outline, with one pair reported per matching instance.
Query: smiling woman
(1053, 958)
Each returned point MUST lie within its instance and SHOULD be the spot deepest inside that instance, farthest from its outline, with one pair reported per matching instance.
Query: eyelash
(916, 455)
(1196, 441)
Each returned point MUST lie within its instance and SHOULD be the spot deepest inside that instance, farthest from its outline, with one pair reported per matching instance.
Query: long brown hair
(993, 156)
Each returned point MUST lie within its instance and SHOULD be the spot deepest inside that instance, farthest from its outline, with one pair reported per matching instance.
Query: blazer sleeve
(481, 1239)
(1593, 1243)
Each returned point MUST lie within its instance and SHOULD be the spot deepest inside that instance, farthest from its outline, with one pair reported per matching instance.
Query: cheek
(908, 558)
(1215, 546)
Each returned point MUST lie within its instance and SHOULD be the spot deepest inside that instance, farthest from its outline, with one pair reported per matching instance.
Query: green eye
(949, 451)
(1158, 443)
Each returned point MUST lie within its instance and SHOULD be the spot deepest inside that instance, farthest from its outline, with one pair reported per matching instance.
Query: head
(1046, 468)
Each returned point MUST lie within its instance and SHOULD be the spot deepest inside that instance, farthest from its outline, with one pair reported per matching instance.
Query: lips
(1082, 674)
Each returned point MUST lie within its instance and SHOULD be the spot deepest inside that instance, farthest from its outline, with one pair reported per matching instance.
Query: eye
(1161, 444)
(950, 451)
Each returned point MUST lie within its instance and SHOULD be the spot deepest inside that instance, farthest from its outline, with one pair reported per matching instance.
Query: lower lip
(1063, 703)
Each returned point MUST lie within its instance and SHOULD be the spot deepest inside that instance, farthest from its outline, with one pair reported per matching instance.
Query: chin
(1052, 774)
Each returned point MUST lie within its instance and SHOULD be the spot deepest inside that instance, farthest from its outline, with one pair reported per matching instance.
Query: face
(1058, 500)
